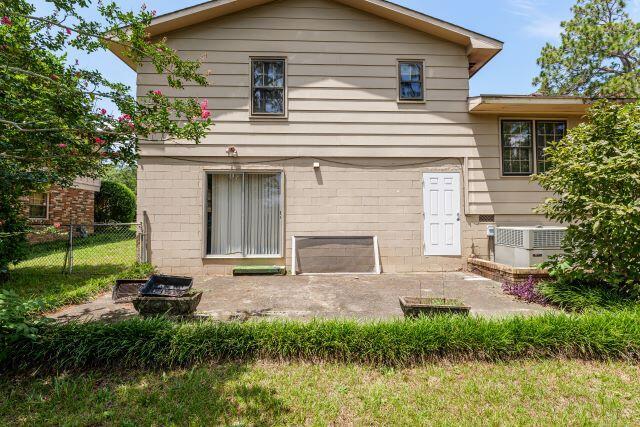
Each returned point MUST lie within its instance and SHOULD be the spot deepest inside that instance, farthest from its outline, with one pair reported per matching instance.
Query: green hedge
(115, 203)
(162, 343)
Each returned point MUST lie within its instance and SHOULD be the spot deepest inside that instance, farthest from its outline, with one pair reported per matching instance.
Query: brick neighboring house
(63, 205)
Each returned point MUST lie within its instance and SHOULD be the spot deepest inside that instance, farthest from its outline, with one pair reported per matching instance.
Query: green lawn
(553, 392)
(98, 261)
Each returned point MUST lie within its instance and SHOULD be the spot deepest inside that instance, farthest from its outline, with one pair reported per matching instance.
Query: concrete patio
(306, 297)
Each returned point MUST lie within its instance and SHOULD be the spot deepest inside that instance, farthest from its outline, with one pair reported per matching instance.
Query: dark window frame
(45, 205)
(252, 62)
(530, 148)
(421, 64)
(541, 161)
(533, 149)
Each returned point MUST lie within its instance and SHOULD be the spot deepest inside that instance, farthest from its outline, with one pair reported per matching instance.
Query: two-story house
(339, 118)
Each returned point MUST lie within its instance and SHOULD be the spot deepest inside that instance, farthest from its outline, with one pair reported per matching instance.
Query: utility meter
(491, 230)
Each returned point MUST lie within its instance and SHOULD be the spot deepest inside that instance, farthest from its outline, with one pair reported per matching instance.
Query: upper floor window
(38, 205)
(411, 80)
(268, 87)
(523, 143)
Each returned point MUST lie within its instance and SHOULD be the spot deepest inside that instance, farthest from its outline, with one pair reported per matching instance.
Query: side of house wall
(368, 197)
(67, 204)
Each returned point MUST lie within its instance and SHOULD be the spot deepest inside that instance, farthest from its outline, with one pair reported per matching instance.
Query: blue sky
(523, 25)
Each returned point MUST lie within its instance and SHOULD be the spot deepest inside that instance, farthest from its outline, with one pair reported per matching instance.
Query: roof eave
(528, 104)
(480, 48)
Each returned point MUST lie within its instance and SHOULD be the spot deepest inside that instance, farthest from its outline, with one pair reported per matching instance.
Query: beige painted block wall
(378, 197)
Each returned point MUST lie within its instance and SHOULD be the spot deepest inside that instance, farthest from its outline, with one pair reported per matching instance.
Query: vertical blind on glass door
(245, 214)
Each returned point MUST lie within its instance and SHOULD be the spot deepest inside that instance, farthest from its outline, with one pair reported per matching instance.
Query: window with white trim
(244, 214)
(411, 80)
(523, 143)
(38, 206)
(268, 79)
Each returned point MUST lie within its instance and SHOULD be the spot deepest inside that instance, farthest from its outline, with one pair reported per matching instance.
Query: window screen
(547, 131)
(411, 78)
(268, 86)
(38, 205)
(517, 147)
(243, 214)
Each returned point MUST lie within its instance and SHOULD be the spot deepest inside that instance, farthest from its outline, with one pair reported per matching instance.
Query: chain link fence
(84, 248)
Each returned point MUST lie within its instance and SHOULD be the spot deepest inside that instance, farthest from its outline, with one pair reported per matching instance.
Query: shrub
(13, 227)
(115, 203)
(585, 295)
(160, 343)
(526, 291)
(16, 321)
(596, 188)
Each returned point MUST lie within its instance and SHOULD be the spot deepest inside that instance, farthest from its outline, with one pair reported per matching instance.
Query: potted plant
(413, 307)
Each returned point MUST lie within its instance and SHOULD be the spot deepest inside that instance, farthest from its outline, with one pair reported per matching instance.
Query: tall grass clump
(585, 295)
(161, 343)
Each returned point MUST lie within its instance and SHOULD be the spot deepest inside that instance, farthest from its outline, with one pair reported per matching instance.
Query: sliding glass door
(243, 214)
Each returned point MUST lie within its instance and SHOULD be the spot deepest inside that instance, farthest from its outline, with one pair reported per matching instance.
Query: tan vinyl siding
(342, 103)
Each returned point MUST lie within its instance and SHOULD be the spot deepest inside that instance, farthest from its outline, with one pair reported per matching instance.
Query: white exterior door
(442, 213)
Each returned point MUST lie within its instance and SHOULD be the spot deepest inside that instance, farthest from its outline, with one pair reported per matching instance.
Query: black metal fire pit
(160, 285)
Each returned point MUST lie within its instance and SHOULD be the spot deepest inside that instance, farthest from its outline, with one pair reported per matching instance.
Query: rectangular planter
(171, 306)
(126, 290)
(414, 307)
(160, 285)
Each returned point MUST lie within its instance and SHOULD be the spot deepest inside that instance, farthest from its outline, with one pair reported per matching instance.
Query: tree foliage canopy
(598, 55)
(53, 124)
(596, 181)
(115, 203)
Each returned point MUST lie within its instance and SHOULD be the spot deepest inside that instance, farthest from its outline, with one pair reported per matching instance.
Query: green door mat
(259, 270)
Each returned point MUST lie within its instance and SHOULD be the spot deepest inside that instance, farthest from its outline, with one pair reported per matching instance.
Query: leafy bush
(13, 227)
(161, 343)
(115, 203)
(584, 295)
(526, 291)
(596, 181)
(16, 321)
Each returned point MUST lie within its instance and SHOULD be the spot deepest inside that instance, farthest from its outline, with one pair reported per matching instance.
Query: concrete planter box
(413, 307)
(172, 306)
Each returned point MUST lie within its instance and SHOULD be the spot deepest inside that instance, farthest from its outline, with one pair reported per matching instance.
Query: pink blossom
(6, 21)
(204, 104)
(157, 92)
(131, 125)
(206, 114)
(99, 140)
(62, 145)
(69, 31)
(153, 13)
(124, 117)
(102, 111)
(57, 225)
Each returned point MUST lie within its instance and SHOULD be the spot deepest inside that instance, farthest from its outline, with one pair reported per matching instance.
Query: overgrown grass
(552, 392)
(574, 296)
(99, 260)
(163, 343)
(56, 290)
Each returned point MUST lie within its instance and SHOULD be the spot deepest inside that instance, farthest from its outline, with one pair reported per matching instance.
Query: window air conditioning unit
(527, 246)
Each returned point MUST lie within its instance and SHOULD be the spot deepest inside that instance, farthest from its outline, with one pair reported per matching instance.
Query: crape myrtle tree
(598, 55)
(595, 178)
(53, 124)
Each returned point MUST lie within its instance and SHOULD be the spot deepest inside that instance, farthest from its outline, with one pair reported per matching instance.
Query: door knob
(458, 216)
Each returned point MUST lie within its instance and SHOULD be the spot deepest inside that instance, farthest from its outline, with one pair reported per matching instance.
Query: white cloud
(536, 21)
